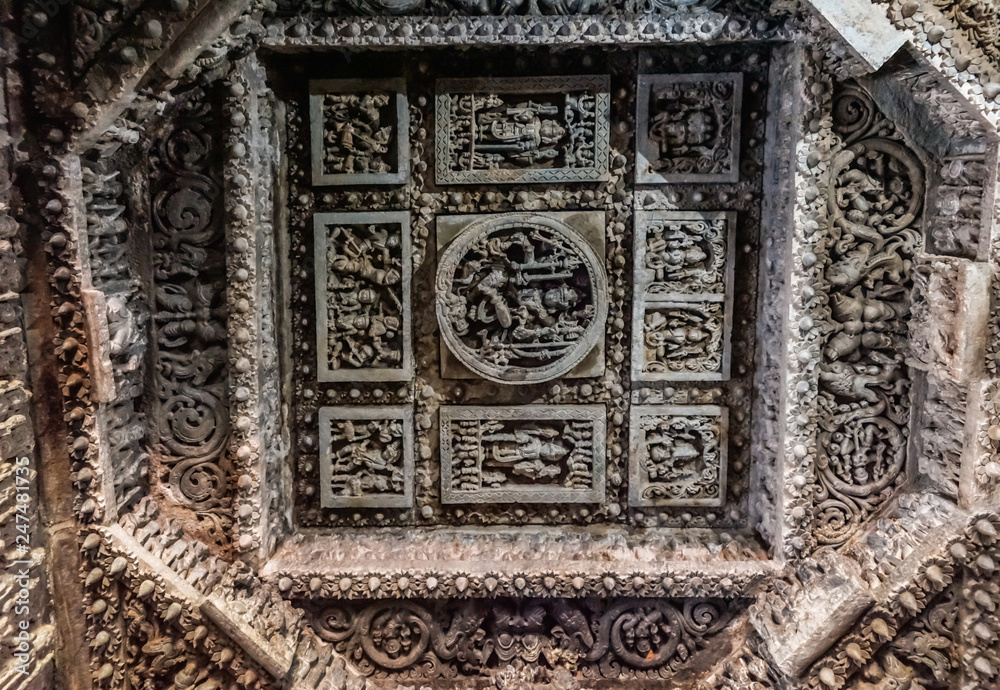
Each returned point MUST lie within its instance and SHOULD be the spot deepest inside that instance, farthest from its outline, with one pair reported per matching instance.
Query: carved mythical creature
(863, 321)
(857, 381)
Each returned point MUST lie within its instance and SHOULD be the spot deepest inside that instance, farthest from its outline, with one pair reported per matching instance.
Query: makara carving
(678, 455)
(688, 127)
(521, 297)
(523, 639)
(366, 457)
(524, 454)
(877, 190)
(359, 131)
(362, 267)
(544, 129)
(683, 296)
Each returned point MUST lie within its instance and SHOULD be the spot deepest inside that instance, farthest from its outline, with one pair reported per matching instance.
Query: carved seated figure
(520, 133)
(672, 338)
(679, 128)
(674, 259)
(530, 452)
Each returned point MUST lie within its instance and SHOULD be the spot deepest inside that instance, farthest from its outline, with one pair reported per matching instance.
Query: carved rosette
(521, 298)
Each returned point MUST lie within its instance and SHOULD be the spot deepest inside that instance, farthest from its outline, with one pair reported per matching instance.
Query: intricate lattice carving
(546, 129)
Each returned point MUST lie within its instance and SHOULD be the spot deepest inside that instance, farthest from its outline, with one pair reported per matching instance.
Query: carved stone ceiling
(562, 344)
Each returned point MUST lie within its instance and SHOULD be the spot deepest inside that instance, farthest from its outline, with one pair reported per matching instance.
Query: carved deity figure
(520, 295)
(674, 255)
(675, 335)
(684, 124)
(358, 133)
(525, 132)
(368, 457)
(364, 309)
(672, 453)
(530, 452)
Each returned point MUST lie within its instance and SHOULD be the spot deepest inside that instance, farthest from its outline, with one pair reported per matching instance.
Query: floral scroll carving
(192, 418)
(877, 189)
(413, 639)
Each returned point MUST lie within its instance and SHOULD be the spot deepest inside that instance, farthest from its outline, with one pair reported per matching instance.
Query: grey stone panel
(688, 127)
(507, 131)
(523, 454)
(364, 140)
(683, 295)
(362, 466)
(678, 455)
(352, 289)
(517, 322)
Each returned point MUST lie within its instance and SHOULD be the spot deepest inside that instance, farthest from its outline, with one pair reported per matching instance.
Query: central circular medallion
(521, 298)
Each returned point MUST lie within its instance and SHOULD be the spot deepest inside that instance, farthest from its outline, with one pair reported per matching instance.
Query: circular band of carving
(521, 298)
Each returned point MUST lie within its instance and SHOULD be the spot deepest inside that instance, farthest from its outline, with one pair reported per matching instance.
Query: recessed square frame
(644, 146)
(323, 371)
(591, 227)
(321, 87)
(330, 414)
(599, 84)
(637, 440)
(641, 302)
(547, 494)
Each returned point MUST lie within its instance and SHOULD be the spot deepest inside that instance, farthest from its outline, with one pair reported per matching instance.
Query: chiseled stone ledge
(530, 562)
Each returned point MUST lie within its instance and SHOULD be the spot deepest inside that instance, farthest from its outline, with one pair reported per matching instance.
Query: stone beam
(798, 624)
(863, 28)
(799, 630)
(299, 33)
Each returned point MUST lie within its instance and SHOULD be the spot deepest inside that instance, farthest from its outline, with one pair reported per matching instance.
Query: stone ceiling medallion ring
(643, 634)
(395, 635)
(878, 185)
(521, 298)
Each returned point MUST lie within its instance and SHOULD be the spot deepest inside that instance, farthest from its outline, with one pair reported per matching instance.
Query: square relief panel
(549, 298)
(541, 129)
(523, 454)
(359, 131)
(683, 295)
(678, 455)
(688, 127)
(520, 317)
(366, 457)
(362, 268)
